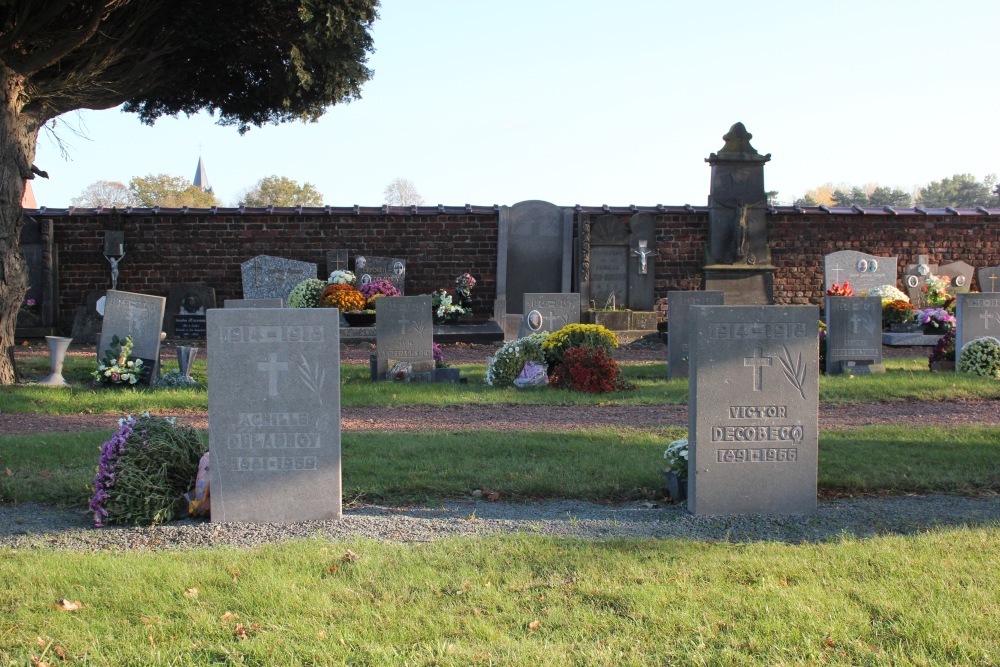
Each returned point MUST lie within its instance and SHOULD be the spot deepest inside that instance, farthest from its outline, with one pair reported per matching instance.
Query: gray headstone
(336, 260)
(913, 280)
(549, 312)
(274, 415)
(753, 410)
(611, 266)
(114, 243)
(679, 327)
(534, 255)
(976, 315)
(42, 260)
(265, 276)
(254, 303)
(863, 271)
(368, 268)
(404, 333)
(989, 279)
(854, 335)
(960, 274)
(136, 315)
(186, 307)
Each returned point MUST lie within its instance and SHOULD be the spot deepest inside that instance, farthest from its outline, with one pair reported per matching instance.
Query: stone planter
(940, 330)
(622, 320)
(906, 327)
(360, 319)
(677, 488)
(943, 366)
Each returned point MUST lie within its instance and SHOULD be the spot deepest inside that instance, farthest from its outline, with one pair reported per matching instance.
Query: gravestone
(863, 271)
(254, 303)
(404, 333)
(679, 327)
(915, 277)
(87, 321)
(617, 261)
(274, 414)
(960, 276)
(265, 276)
(989, 279)
(139, 316)
(336, 260)
(753, 410)
(854, 335)
(368, 268)
(41, 256)
(976, 315)
(549, 312)
(534, 255)
(185, 311)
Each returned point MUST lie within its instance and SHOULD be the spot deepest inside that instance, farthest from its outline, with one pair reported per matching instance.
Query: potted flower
(676, 472)
(899, 316)
(942, 357)
(342, 296)
(935, 289)
(119, 367)
(936, 321)
(376, 289)
(342, 277)
(445, 310)
(463, 291)
(841, 290)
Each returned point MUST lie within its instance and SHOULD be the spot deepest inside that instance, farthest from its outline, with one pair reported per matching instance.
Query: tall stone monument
(738, 260)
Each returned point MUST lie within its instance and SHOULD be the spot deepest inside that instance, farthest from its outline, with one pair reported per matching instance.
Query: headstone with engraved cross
(679, 327)
(404, 334)
(854, 335)
(336, 260)
(976, 315)
(139, 316)
(274, 414)
(989, 279)
(753, 410)
(549, 312)
(265, 276)
(864, 272)
(915, 278)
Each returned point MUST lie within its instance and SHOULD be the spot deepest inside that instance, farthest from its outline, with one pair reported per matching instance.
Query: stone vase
(58, 346)
(677, 487)
(942, 366)
(185, 359)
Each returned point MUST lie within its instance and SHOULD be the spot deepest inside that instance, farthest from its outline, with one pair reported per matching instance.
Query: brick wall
(164, 249)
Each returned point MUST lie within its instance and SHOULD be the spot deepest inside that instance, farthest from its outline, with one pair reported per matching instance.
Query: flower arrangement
(306, 294)
(342, 296)
(676, 455)
(464, 284)
(888, 293)
(578, 335)
(505, 365)
(444, 308)
(897, 311)
(936, 289)
(589, 369)
(980, 357)
(174, 380)
(944, 349)
(822, 346)
(342, 277)
(29, 306)
(119, 367)
(144, 470)
(380, 287)
(841, 290)
(438, 356)
(937, 319)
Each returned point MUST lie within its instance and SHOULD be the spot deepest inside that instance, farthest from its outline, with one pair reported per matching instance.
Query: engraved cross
(855, 320)
(993, 282)
(272, 366)
(835, 270)
(986, 320)
(757, 362)
(402, 323)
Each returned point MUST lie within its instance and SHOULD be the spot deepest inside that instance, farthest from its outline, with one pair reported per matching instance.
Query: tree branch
(41, 59)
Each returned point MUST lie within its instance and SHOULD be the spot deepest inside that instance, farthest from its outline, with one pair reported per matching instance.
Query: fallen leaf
(38, 663)
(650, 506)
(342, 642)
(829, 642)
(239, 631)
(60, 652)
(45, 473)
(9, 472)
(228, 616)
(191, 593)
(39, 641)
(331, 569)
(147, 621)
(350, 556)
(26, 344)
(493, 497)
(534, 625)
(66, 605)
(321, 635)
(783, 583)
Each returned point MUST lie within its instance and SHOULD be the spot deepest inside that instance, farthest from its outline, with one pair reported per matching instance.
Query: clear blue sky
(599, 102)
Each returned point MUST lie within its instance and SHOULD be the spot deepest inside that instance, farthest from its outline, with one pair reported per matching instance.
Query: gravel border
(33, 527)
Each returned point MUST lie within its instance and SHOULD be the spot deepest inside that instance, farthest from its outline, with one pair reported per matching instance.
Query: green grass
(928, 599)
(597, 464)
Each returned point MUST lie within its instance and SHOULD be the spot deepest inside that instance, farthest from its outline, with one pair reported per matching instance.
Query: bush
(593, 336)
(505, 365)
(980, 357)
(306, 294)
(342, 296)
(589, 369)
(144, 470)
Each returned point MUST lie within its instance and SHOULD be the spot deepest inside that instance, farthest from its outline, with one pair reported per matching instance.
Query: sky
(601, 102)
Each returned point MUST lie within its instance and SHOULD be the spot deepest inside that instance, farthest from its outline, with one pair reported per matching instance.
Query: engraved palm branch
(795, 372)
(313, 377)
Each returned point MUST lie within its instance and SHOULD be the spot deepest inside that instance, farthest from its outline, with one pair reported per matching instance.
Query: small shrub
(897, 311)
(342, 296)
(593, 336)
(589, 369)
(980, 357)
(505, 365)
(944, 349)
(306, 294)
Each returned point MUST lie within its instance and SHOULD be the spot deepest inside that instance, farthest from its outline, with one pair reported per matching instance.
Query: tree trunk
(18, 134)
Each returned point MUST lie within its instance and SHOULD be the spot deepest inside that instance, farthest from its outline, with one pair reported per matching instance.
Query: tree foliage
(402, 192)
(959, 191)
(874, 196)
(169, 192)
(281, 191)
(109, 194)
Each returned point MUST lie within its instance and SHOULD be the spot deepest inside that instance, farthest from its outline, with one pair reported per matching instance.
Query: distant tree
(822, 195)
(109, 194)
(772, 197)
(281, 191)
(855, 197)
(895, 197)
(402, 192)
(959, 191)
(806, 200)
(169, 192)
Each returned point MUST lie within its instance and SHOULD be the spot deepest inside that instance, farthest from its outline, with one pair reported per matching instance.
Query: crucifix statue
(114, 268)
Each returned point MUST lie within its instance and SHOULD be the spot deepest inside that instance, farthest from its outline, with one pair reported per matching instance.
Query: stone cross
(757, 362)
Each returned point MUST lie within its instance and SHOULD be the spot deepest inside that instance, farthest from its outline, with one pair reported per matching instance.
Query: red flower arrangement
(841, 290)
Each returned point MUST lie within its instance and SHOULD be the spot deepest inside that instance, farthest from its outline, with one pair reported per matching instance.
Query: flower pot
(357, 319)
(677, 487)
(936, 330)
(942, 366)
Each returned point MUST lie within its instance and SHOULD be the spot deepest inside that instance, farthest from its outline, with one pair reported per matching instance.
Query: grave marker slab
(863, 271)
(679, 325)
(549, 312)
(139, 316)
(254, 303)
(368, 268)
(274, 414)
(977, 315)
(185, 311)
(989, 279)
(336, 260)
(41, 257)
(960, 274)
(404, 332)
(914, 279)
(854, 335)
(753, 410)
(617, 261)
(265, 276)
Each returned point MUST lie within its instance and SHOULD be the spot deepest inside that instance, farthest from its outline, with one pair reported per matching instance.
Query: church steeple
(201, 176)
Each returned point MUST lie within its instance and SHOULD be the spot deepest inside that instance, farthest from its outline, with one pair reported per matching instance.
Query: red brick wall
(167, 249)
